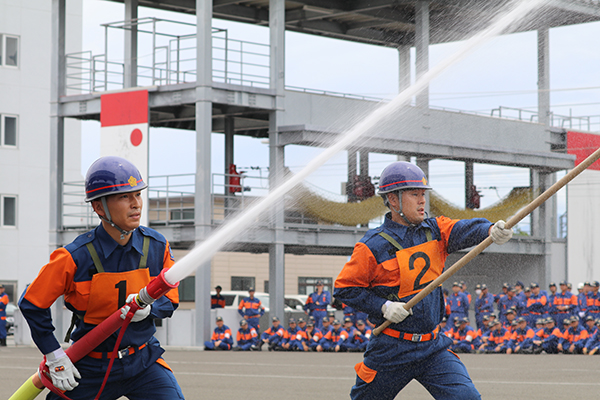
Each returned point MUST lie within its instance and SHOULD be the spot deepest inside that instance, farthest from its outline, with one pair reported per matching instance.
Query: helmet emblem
(132, 181)
(424, 181)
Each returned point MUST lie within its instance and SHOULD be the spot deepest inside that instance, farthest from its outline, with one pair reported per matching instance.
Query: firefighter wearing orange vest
(389, 266)
(99, 273)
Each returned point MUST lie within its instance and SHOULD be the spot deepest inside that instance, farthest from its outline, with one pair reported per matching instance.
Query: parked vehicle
(234, 297)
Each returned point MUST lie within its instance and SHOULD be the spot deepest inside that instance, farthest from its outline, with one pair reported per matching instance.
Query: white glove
(499, 234)
(62, 371)
(394, 311)
(139, 314)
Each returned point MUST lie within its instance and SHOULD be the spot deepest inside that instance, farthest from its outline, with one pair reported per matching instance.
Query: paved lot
(290, 376)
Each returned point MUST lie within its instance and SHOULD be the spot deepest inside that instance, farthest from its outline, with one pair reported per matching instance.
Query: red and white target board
(124, 121)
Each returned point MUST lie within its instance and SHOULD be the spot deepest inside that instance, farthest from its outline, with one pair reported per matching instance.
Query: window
(187, 289)
(307, 285)
(8, 130)
(8, 209)
(242, 282)
(9, 51)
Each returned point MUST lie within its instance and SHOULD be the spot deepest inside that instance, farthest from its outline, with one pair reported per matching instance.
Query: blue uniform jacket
(70, 271)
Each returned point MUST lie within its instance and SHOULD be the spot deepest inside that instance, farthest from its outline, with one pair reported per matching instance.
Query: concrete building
(200, 86)
(26, 142)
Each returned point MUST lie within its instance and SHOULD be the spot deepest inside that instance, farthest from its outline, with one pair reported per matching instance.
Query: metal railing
(588, 123)
(167, 56)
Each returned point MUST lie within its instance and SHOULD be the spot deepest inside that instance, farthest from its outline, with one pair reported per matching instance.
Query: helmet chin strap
(399, 210)
(108, 219)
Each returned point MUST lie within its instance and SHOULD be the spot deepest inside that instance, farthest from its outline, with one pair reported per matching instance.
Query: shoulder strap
(394, 243)
(95, 257)
(144, 258)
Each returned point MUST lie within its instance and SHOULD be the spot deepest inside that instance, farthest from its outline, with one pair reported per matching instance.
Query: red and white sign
(124, 124)
(583, 145)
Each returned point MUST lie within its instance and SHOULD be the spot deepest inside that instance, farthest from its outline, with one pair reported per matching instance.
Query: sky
(501, 73)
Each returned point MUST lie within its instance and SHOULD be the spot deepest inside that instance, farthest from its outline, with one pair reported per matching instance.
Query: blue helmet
(111, 175)
(402, 175)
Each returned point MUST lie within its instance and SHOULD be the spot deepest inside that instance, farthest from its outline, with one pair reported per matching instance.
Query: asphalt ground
(289, 376)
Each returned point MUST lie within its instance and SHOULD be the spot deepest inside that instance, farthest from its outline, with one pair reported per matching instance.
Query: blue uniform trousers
(318, 314)
(443, 375)
(137, 377)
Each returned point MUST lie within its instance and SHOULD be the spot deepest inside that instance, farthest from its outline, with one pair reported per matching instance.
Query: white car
(233, 299)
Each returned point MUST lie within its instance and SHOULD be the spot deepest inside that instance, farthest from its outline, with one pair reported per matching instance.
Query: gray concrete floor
(289, 376)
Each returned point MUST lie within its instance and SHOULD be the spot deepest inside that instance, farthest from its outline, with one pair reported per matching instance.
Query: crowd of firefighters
(520, 319)
(525, 319)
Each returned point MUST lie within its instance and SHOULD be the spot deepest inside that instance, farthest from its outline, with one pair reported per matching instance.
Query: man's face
(220, 323)
(251, 294)
(347, 325)
(319, 288)
(563, 288)
(276, 324)
(413, 205)
(536, 290)
(125, 209)
(325, 324)
(218, 290)
(456, 289)
(510, 316)
(552, 289)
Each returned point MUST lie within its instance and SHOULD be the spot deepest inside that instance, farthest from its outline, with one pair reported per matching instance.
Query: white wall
(583, 211)
(25, 171)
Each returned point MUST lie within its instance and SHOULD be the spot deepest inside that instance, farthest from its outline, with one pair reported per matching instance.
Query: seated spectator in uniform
(590, 325)
(326, 326)
(359, 337)
(349, 328)
(484, 332)
(551, 336)
(292, 338)
(313, 336)
(593, 343)
(574, 338)
(221, 338)
(521, 340)
(216, 300)
(332, 340)
(510, 317)
(464, 337)
(498, 339)
(247, 338)
(273, 336)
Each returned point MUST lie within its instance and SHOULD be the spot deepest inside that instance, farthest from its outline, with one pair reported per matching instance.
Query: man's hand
(394, 311)
(139, 314)
(62, 371)
(499, 234)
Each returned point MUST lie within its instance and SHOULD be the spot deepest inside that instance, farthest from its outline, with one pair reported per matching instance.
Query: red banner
(581, 145)
(124, 108)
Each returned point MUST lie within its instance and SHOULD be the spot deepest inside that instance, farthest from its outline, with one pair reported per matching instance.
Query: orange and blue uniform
(550, 338)
(498, 340)
(459, 305)
(537, 307)
(251, 309)
(381, 269)
(222, 334)
(3, 304)
(523, 339)
(333, 338)
(574, 336)
(316, 306)
(567, 299)
(95, 289)
(246, 338)
(484, 305)
(217, 301)
(275, 336)
(465, 338)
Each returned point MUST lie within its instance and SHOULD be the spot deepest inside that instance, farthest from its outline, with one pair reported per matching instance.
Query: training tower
(193, 85)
